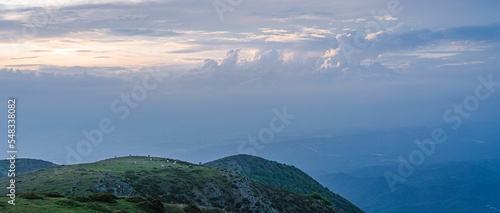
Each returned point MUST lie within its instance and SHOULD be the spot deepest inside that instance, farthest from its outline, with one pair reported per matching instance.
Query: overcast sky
(223, 66)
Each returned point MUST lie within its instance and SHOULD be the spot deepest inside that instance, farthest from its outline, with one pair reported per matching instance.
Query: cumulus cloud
(334, 63)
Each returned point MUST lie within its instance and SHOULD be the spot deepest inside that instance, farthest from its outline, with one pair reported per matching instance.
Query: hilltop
(280, 176)
(168, 181)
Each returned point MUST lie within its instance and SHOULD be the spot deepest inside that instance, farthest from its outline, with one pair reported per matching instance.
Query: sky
(206, 74)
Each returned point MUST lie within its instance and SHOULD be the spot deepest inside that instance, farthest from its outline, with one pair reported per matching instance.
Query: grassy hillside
(24, 165)
(179, 183)
(280, 176)
(53, 202)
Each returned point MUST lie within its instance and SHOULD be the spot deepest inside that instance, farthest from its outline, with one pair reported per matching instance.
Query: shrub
(97, 207)
(67, 203)
(103, 197)
(30, 195)
(80, 198)
(135, 199)
(239, 205)
(246, 201)
(131, 175)
(52, 194)
(191, 208)
(154, 206)
(317, 196)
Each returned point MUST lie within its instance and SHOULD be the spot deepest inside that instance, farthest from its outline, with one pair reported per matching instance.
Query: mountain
(24, 165)
(129, 182)
(280, 176)
(471, 186)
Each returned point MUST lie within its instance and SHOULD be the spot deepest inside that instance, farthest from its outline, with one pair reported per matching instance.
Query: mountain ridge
(280, 176)
(24, 165)
(171, 182)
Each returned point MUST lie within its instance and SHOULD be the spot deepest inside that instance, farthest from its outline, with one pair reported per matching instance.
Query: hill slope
(24, 165)
(170, 183)
(446, 187)
(280, 176)
(52, 202)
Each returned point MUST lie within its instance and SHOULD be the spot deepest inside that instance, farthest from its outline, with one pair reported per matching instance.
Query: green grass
(81, 179)
(71, 188)
(74, 188)
(63, 205)
(281, 176)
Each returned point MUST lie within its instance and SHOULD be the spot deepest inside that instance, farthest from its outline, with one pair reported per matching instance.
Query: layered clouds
(323, 36)
(335, 64)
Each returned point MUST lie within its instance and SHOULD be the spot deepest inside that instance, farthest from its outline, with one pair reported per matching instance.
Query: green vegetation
(192, 209)
(135, 199)
(103, 197)
(317, 196)
(46, 204)
(52, 194)
(30, 195)
(143, 184)
(153, 206)
(281, 176)
(80, 198)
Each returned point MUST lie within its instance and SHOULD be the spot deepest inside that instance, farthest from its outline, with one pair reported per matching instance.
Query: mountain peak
(280, 176)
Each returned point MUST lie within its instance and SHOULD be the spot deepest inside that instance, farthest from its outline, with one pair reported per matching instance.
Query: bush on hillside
(67, 203)
(103, 197)
(317, 196)
(135, 199)
(154, 206)
(80, 198)
(191, 208)
(97, 207)
(52, 194)
(30, 195)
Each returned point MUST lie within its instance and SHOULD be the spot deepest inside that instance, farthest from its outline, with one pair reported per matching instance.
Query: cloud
(406, 40)
(21, 58)
(333, 63)
(144, 32)
(39, 78)
(474, 33)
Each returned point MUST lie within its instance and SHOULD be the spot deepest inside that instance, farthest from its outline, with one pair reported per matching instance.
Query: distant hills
(280, 176)
(24, 165)
(472, 186)
(144, 184)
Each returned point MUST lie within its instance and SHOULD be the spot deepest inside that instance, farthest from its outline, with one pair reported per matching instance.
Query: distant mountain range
(472, 186)
(152, 184)
(24, 165)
